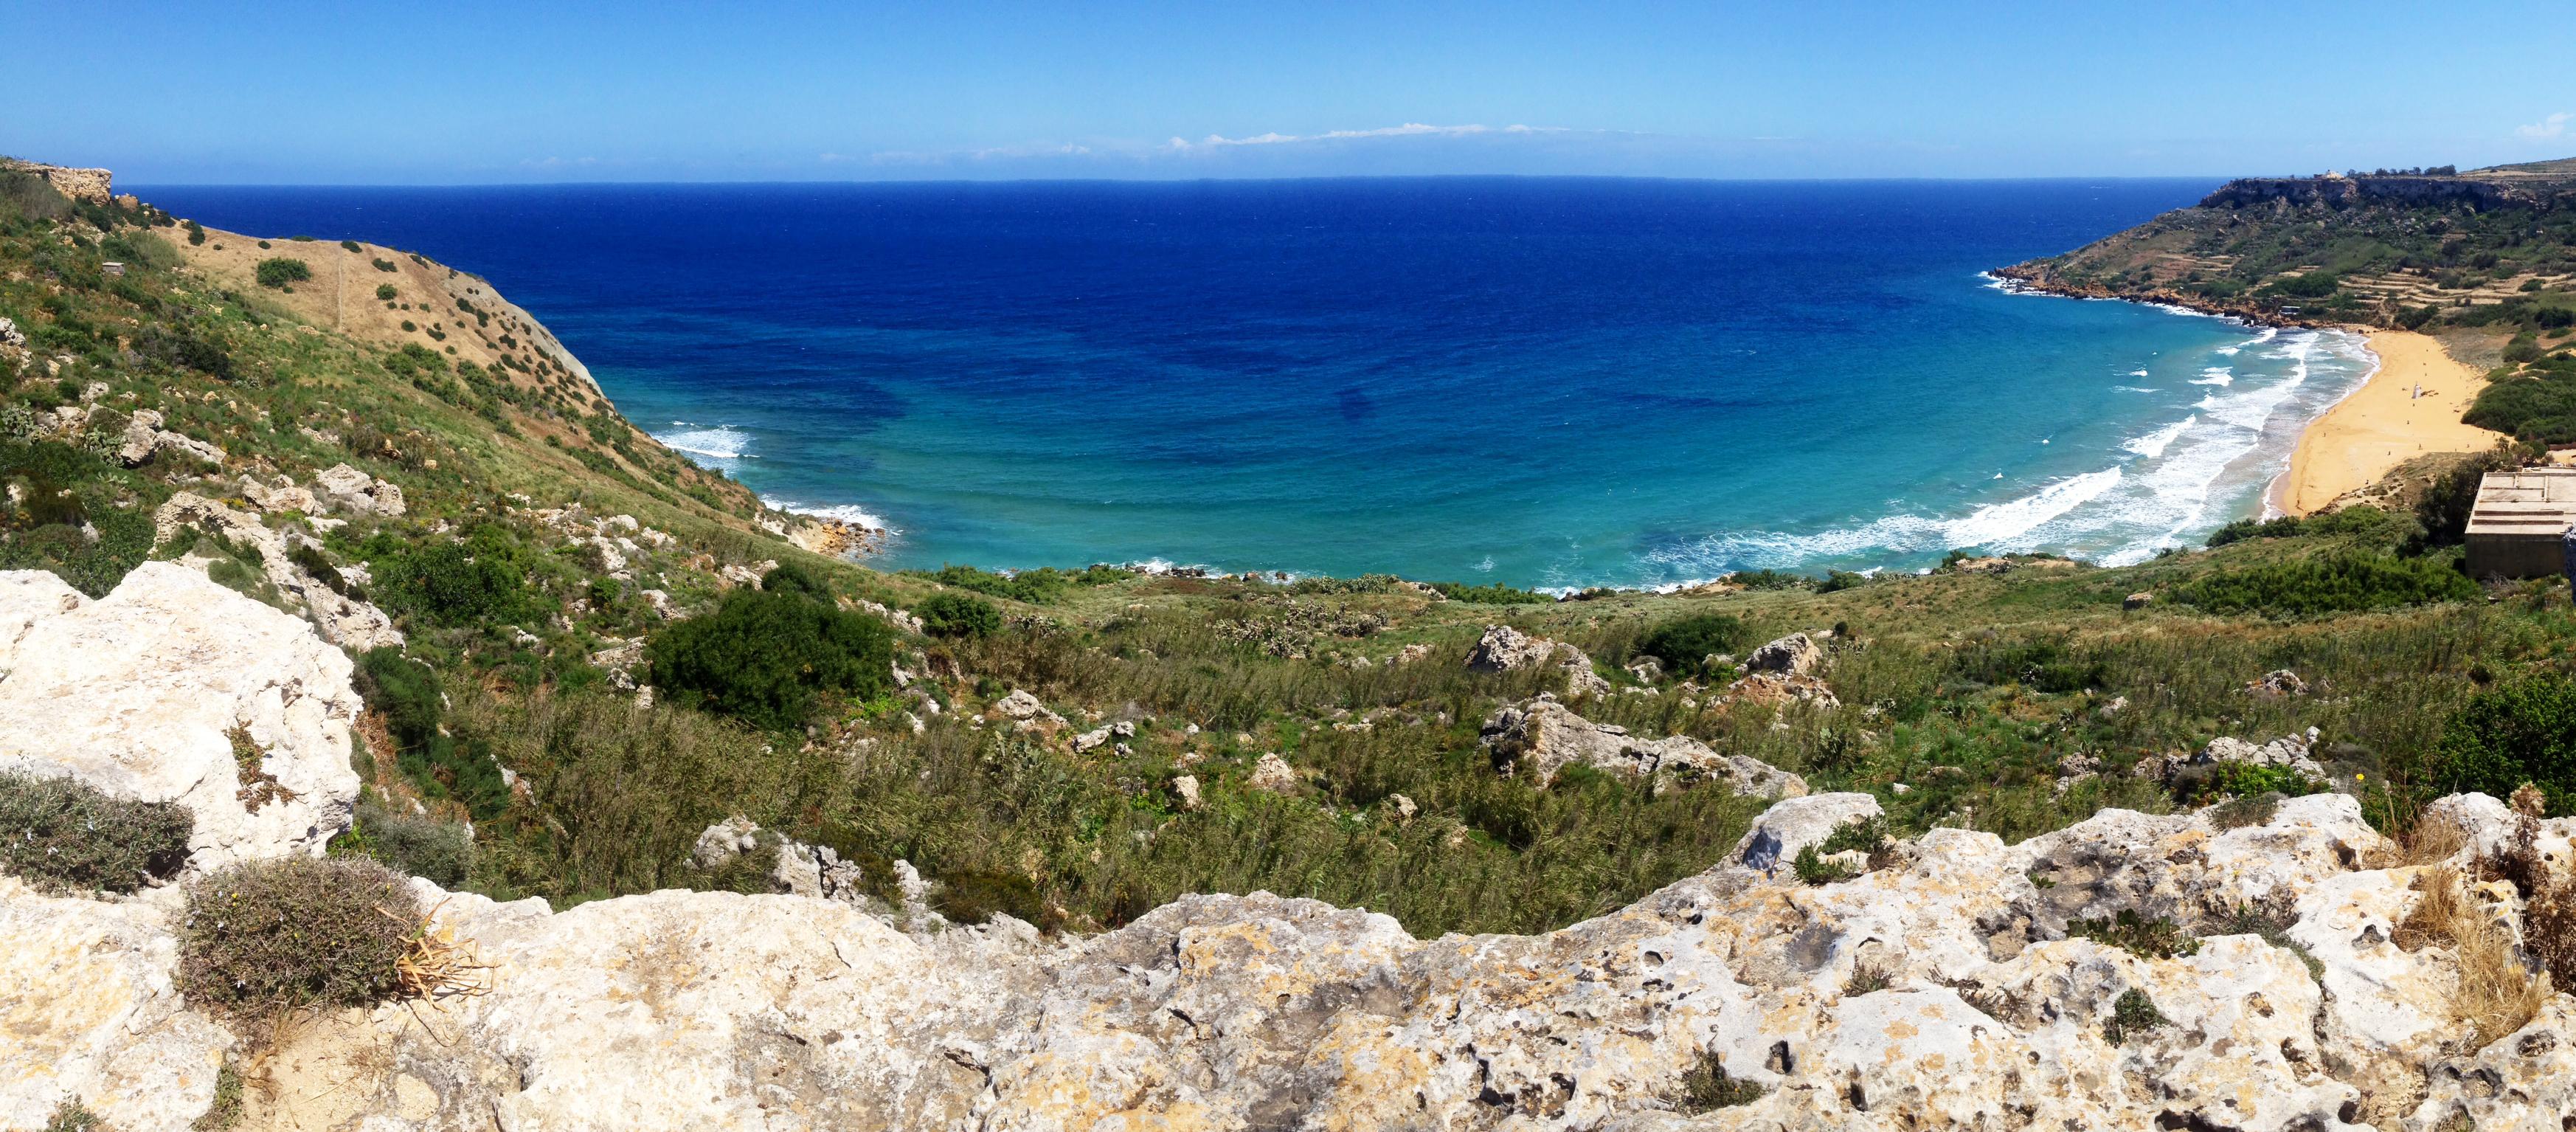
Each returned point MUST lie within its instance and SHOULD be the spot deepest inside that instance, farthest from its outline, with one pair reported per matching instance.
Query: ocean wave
(2216, 375)
(2153, 444)
(2137, 373)
(1895, 534)
(2133, 389)
(850, 513)
(717, 443)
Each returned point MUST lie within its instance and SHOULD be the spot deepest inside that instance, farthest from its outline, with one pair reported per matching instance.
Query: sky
(467, 92)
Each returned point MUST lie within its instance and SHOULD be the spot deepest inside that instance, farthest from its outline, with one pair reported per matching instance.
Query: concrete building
(2514, 529)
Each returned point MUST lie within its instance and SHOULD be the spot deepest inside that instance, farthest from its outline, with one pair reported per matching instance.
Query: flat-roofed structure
(2519, 518)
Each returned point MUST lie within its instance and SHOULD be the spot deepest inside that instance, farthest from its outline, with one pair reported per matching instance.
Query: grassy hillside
(2008, 695)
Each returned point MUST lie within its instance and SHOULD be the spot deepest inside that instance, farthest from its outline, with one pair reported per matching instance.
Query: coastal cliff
(392, 737)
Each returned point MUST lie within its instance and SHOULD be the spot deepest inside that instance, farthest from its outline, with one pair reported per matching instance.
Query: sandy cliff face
(1937, 988)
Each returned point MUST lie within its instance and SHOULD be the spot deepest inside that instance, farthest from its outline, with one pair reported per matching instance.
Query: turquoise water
(1541, 382)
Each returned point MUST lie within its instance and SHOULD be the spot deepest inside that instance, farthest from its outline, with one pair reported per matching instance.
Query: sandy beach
(2409, 407)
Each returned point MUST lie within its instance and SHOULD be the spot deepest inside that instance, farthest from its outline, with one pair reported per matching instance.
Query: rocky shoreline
(2035, 278)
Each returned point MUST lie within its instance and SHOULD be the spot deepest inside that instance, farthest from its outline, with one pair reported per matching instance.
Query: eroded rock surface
(1541, 737)
(144, 694)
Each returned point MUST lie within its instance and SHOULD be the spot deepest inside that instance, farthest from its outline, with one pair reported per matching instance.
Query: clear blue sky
(459, 91)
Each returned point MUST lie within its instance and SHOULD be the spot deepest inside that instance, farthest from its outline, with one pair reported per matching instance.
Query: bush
(1491, 594)
(295, 931)
(2041, 666)
(279, 271)
(407, 693)
(383, 264)
(2160, 938)
(350, 246)
(796, 578)
(2523, 731)
(765, 657)
(480, 581)
(2132, 1012)
(385, 292)
(1685, 643)
(432, 850)
(196, 232)
(62, 835)
(958, 615)
(1036, 587)
(173, 346)
(2335, 583)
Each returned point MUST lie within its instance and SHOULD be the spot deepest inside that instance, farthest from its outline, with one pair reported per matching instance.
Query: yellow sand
(2385, 423)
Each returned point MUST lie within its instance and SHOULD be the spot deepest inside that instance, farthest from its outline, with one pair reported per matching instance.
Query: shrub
(196, 232)
(383, 264)
(973, 897)
(408, 695)
(73, 1116)
(61, 835)
(350, 246)
(1685, 643)
(279, 271)
(1491, 594)
(2159, 938)
(174, 346)
(1812, 867)
(1036, 587)
(480, 581)
(796, 578)
(2041, 666)
(958, 615)
(295, 931)
(1706, 1086)
(432, 850)
(2132, 1012)
(2336, 583)
(385, 292)
(2513, 733)
(764, 657)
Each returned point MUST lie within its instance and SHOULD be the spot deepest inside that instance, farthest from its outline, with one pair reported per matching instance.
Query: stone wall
(93, 185)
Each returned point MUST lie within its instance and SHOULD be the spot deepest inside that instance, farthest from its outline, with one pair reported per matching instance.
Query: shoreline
(2409, 406)
(2364, 435)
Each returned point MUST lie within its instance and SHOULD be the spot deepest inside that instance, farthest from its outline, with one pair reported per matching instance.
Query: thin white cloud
(2552, 126)
(1407, 130)
(943, 157)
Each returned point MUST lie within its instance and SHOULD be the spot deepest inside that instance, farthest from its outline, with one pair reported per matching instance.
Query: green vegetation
(384, 265)
(295, 931)
(1035, 587)
(958, 615)
(73, 1116)
(1684, 644)
(2132, 1013)
(385, 292)
(2160, 938)
(2517, 732)
(1706, 1088)
(351, 246)
(62, 835)
(767, 656)
(280, 271)
(408, 695)
(1491, 594)
(2333, 583)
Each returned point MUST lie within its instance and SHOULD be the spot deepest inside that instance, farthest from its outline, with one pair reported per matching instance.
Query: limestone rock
(2139, 600)
(135, 694)
(1272, 773)
(354, 490)
(2278, 683)
(90, 1012)
(342, 620)
(144, 437)
(1646, 669)
(1793, 824)
(1539, 738)
(1774, 688)
(801, 869)
(1186, 788)
(1506, 649)
(282, 495)
(2524, 1083)
(1794, 655)
(1031, 713)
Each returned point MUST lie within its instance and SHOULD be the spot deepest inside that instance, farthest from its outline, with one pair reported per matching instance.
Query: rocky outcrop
(1541, 737)
(1937, 990)
(144, 438)
(173, 688)
(2349, 192)
(1794, 655)
(1503, 648)
(349, 489)
(93, 185)
(89, 1010)
(350, 622)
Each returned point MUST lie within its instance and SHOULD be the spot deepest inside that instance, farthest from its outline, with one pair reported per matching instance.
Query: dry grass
(2497, 992)
(436, 966)
(2427, 842)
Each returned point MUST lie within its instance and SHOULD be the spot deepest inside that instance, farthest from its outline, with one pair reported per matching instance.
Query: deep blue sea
(1551, 382)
